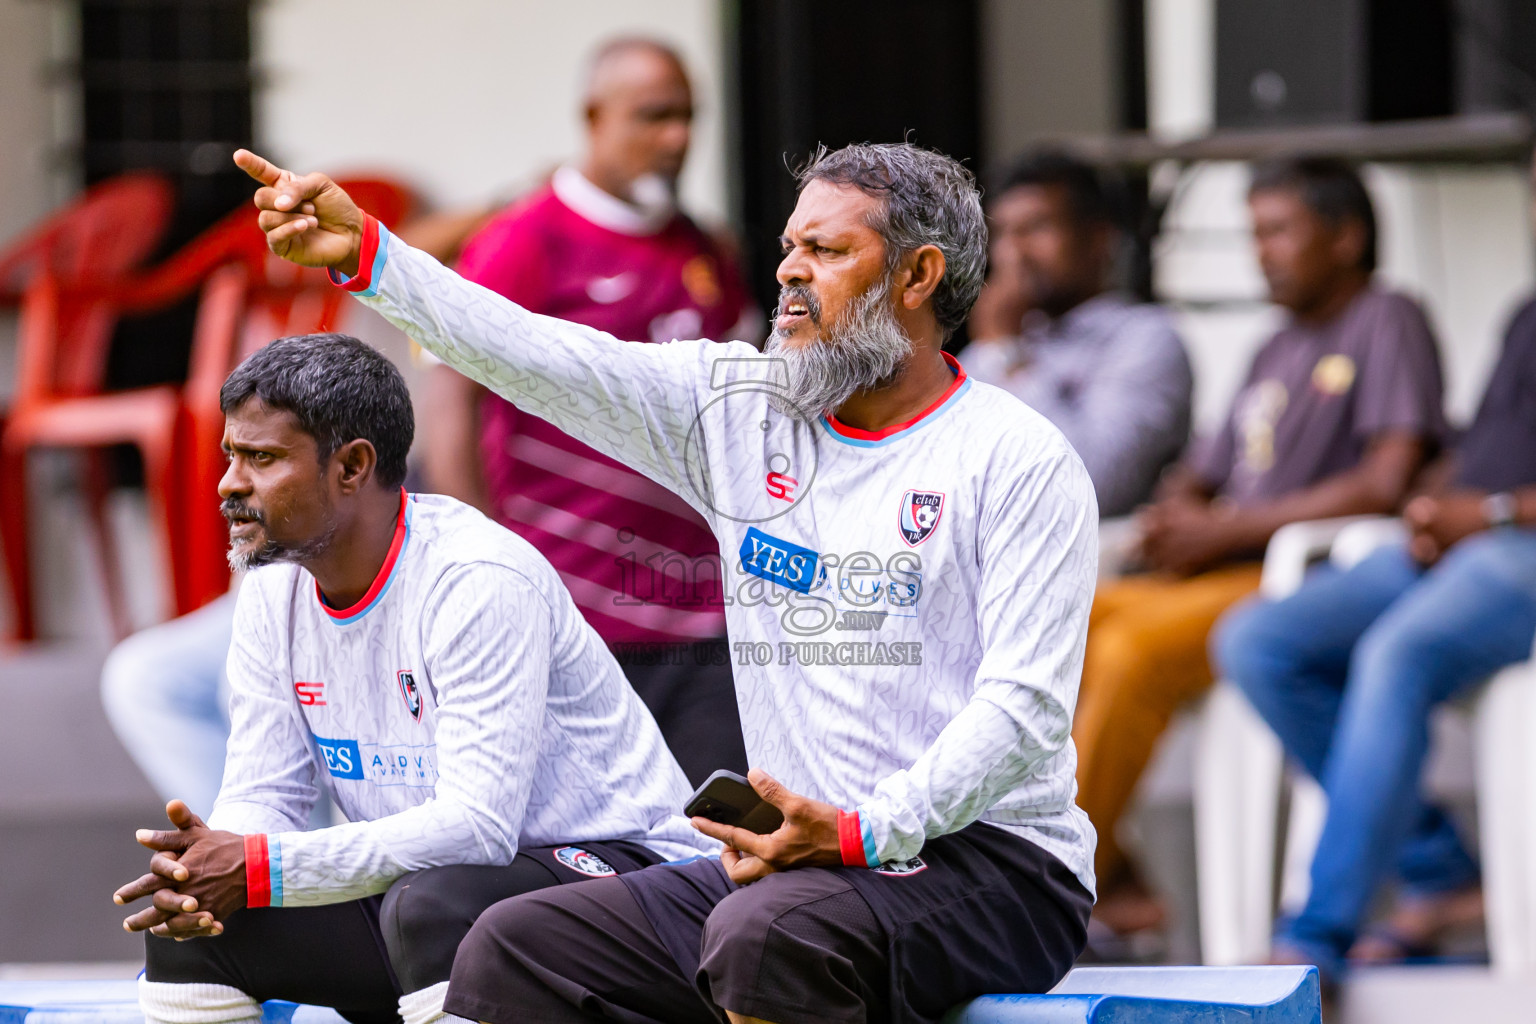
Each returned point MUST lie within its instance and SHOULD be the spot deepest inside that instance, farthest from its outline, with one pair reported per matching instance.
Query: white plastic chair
(1239, 769)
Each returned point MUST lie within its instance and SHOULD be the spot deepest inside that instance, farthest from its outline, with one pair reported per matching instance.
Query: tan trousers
(1146, 657)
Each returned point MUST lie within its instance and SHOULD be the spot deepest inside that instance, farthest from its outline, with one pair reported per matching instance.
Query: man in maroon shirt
(604, 244)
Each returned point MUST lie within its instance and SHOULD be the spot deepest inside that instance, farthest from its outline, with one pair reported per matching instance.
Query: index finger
(163, 840)
(730, 835)
(139, 888)
(260, 168)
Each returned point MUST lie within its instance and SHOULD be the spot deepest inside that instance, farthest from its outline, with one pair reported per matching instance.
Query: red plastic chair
(94, 240)
(60, 401)
(111, 228)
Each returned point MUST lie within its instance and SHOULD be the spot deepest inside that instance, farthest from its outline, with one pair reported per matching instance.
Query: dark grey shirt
(1112, 375)
(1316, 396)
(1498, 452)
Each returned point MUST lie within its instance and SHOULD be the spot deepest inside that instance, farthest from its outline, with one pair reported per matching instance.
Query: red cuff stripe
(850, 839)
(365, 257)
(258, 878)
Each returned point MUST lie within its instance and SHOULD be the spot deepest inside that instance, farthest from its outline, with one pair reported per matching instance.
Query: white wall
(469, 100)
(26, 126)
(1456, 238)
(30, 186)
(1048, 70)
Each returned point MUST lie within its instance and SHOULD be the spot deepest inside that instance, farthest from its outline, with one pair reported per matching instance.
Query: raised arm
(636, 403)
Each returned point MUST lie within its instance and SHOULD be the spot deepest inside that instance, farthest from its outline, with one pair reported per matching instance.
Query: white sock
(426, 1006)
(169, 1003)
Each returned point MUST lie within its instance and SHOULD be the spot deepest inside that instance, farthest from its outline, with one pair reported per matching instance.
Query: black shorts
(978, 911)
(360, 956)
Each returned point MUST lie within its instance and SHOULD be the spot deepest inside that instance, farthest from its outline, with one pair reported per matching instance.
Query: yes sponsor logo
(778, 561)
(342, 758)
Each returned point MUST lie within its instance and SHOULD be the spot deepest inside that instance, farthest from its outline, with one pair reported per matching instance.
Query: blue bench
(1161, 995)
(114, 1002)
(1089, 995)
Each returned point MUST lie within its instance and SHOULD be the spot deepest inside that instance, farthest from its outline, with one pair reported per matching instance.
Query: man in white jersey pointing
(428, 669)
(909, 562)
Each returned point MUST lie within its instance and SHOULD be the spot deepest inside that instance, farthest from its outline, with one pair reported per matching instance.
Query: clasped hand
(808, 837)
(196, 878)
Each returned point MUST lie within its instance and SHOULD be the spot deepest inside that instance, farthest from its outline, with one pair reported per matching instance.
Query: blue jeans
(1346, 671)
(165, 694)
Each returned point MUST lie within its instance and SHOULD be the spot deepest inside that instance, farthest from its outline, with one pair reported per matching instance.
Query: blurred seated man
(1109, 372)
(1348, 669)
(604, 244)
(1339, 411)
(428, 669)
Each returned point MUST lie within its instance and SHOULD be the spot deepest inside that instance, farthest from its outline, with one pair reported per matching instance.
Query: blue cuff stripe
(275, 870)
(380, 256)
(869, 843)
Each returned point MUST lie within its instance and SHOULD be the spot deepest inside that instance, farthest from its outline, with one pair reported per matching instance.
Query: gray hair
(927, 199)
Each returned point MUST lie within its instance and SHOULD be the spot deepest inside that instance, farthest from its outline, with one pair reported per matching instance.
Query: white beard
(863, 351)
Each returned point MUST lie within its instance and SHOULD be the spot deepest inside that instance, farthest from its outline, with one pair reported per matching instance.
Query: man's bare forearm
(1377, 486)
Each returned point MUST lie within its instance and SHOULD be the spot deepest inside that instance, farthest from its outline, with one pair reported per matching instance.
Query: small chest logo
(310, 694)
(920, 511)
(910, 866)
(584, 862)
(781, 486)
(410, 692)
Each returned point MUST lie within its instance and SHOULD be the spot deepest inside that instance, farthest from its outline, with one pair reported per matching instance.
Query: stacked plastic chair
(61, 400)
(88, 248)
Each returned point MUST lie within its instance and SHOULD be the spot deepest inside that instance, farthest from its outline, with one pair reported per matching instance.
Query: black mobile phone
(730, 799)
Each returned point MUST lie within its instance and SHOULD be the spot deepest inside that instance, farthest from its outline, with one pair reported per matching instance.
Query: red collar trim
(381, 580)
(896, 428)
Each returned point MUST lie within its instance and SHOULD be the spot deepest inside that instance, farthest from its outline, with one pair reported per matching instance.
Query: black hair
(1331, 188)
(339, 390)
(1087, 197)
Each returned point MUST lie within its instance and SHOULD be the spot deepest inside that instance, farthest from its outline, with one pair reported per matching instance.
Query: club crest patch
(920, 511)
(584, 862)
(410, 692)
(910, 866)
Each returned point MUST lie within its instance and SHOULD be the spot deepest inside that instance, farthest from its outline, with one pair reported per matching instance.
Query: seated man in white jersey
(427, 668)
(909, 558)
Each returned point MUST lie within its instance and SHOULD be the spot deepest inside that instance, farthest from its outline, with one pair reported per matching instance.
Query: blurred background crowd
(1265, 263)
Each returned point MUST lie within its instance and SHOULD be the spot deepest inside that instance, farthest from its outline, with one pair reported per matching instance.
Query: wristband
(258, 871)
(370, 260)
(1500, 509)
(850, 840)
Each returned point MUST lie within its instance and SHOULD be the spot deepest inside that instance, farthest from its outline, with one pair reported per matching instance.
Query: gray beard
(863, 351)
(271, 552)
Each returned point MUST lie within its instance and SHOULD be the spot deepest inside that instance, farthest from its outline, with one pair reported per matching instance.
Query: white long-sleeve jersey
(462, 709)
(907, 610)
